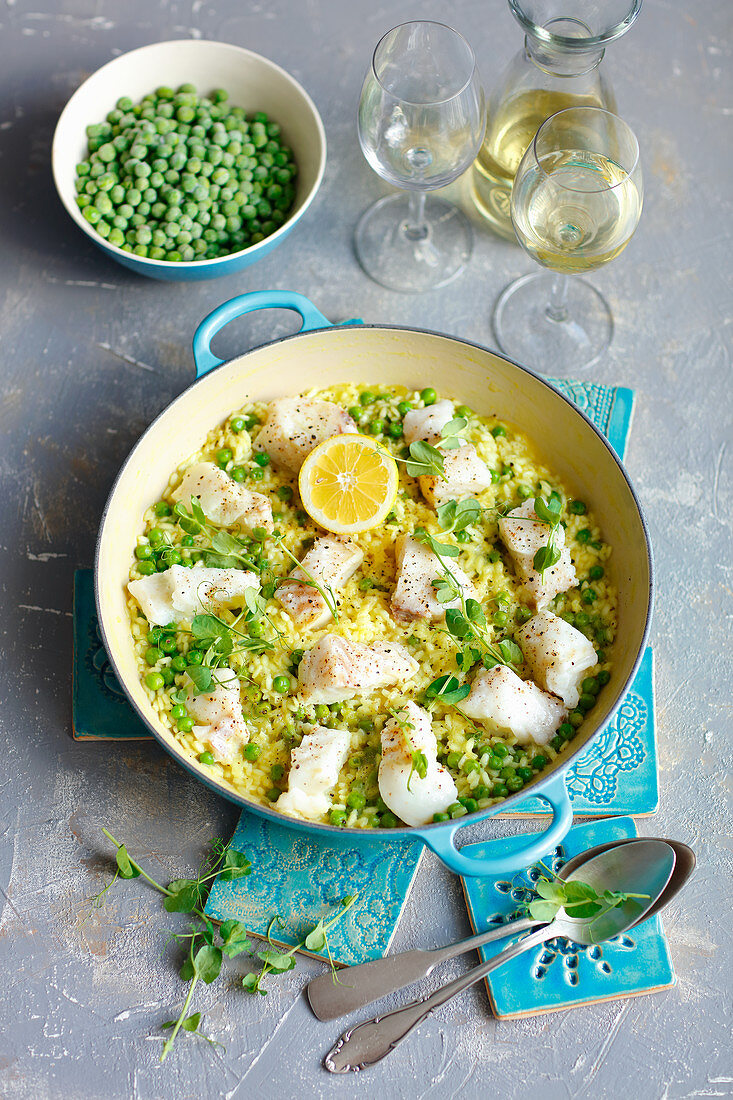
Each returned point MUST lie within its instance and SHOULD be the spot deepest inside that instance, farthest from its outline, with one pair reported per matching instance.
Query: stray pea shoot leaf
(441, 549)
(192, 1022)
(448, 689)
(450, 434)
(425, 460)
(207, 963)
(316, 940)
(277, 961)
(124, 865)
(446, 589)
(185, 896)
(235, 865)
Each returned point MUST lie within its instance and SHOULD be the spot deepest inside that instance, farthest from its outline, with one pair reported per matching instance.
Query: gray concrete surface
(90, 353)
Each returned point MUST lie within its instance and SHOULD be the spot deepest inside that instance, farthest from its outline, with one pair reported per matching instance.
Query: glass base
(527, 333)
(401, 259)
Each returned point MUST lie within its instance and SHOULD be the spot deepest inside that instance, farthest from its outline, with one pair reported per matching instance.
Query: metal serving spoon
(364, 983)
(644, 867)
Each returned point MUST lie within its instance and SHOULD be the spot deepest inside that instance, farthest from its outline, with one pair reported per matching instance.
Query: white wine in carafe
(508, 133)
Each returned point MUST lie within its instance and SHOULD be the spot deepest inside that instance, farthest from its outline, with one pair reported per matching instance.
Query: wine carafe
(558, 67)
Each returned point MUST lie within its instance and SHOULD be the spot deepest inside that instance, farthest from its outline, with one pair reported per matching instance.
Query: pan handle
(203, 356)
(538, 844)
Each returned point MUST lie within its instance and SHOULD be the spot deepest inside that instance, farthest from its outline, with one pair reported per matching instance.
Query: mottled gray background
(90, 353)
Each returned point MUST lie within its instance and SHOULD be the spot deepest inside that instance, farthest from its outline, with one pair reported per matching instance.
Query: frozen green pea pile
(183, 177)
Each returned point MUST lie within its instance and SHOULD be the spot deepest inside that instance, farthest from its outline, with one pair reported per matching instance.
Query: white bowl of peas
(188, 160)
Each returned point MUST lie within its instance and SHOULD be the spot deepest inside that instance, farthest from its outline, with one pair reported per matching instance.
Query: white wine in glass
(576, 202)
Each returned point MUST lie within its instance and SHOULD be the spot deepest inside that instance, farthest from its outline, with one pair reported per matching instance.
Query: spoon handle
(369, 1042)
(360, 985)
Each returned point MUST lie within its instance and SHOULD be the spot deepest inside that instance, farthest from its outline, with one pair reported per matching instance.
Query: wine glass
(421, 123)
(576, 201)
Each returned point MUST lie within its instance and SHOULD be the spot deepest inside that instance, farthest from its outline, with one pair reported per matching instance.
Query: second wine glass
(421, 122)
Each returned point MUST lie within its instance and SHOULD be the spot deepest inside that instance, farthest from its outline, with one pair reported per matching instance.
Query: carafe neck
(559, 59)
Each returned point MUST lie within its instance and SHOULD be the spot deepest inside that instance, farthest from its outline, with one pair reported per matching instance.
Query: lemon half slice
(348, 484)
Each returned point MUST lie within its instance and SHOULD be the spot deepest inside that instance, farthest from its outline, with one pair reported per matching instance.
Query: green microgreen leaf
(548, 511)
(201, 676)
(207, 963)
(451, 432)
(124, 866)
(425, 460)
(448, 689)
(316, 940)
(184, 896)
(446, 590)
(235, 865)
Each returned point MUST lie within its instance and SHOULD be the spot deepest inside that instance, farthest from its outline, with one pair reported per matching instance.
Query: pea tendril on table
(208, 941)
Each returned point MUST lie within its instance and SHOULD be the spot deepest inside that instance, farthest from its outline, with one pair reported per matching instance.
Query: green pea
(273, 794)
(596, 572)
(388, 820)
(428, 396)
(577, 508)
(494, 763)
(185, 725)
(179, 711)
(367, 398)
(469, 804)
(441, 817)
(522, 615)
(356, 800)
(354, 412)
(155, 536)
(469, 766)
(523, 491)
(365, 724)
(515, 784)
(259, 534)
(237, 424)
(404, 407)
(582, 619)
(194, 657)
(251, 752)
(507, 772)
(481, 792)
(153, 655)
(162, 508)
(143, 551)
(168, 676)
(601, 657)
(576, 718)
(277, 771)
(500, 750)
(493, 556)
(588, 595)
(603, 677)
(586, 701)
(337, 817)
(498, 430)
(284, 493)
(154, 635)
(262, 458)
(169, 645)
(223, 456)
(524, 773)
(322, 712)
(500, 618)
(238, 474)
(463, 536)
(154, 681)
(146, 568)
(281, 684)
(188, 540)
(365, 584)
(394, 429)
(464, 411)
(206, 758)
(255, 629)
(179, 663)
(566, 730)
(453, 760)
(583, 536)
(590, 686)
(376, 426)
(499, 790)
(538, 761)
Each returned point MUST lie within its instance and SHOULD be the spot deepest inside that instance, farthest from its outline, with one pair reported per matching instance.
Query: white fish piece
(502, 701)
(414, 595)
(295, 425)
(411, 731)
(427, 423)
(314, 770)
(523, 533)
(219, 717)
(465, 475)
(557, 655)
(223, 501)
(178, 594)
(330, 561)
(337, 668)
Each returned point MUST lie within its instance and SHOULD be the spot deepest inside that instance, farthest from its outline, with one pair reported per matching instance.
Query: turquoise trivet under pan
(301, 879)
(558, 975)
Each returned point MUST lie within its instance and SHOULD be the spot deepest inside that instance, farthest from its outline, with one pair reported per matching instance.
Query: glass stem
(557, 309)
(416, 228)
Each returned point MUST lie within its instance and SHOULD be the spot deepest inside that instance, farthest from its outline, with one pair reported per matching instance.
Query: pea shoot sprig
(577, 899)
(548, 511)
(207, 942)
(277, 961)
(220, 548)
(467, 624)
(426, 460)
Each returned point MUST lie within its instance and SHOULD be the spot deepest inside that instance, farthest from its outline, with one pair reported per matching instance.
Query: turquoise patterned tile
(560, 974)
(299, 877)
(618, 773)
(99, 707)
(609, 407)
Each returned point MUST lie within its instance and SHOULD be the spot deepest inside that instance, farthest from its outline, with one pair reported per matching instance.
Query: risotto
(479, 601)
